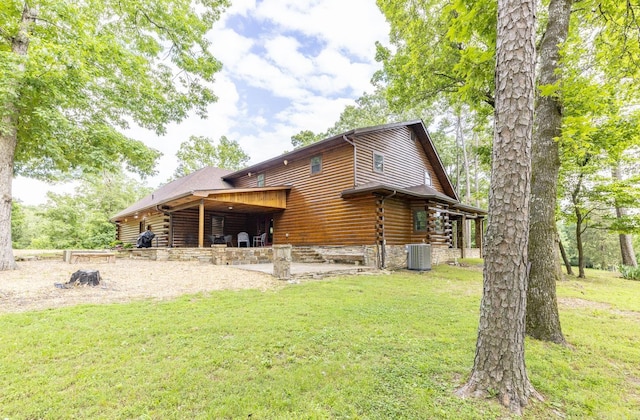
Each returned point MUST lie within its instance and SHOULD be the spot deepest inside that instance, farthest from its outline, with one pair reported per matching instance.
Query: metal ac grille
(419, 257)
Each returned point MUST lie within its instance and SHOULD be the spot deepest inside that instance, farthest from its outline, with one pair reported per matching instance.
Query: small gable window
(260, 180)
(420, 220)
(427, 178)
(316, 164)
(378, 162)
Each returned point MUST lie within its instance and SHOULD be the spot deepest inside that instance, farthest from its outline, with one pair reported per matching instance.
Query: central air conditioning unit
(419, 257)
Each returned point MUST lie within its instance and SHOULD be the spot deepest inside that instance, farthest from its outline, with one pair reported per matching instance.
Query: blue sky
(287, 66)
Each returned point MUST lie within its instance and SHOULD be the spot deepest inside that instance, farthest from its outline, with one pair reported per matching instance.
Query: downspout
(355, 160)
(383, 256)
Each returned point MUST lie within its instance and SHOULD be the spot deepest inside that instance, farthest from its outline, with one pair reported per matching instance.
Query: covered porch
(207, 217)
(202, 218)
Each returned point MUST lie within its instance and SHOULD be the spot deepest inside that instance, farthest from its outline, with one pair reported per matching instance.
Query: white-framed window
(427, 178)
(378, 162)
(260, 180)
(420, 220)
(316, 164)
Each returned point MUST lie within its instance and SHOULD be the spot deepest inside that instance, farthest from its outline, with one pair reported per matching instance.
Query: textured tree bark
(543, 321)
(499, 366)
(8, 142)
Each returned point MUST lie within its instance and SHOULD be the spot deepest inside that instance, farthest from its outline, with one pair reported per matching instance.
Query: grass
(374, 347)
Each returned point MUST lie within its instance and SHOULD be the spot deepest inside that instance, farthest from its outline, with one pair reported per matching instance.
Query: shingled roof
(208, 178)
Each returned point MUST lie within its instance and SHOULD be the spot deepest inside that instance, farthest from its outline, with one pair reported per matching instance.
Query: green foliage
(441, 49)
(27, 227)
(305, 138)
(90, 69)
(375, 347)
(199, 152)
(17, 225)
(630, 273)
(601, 247)
(81, 220)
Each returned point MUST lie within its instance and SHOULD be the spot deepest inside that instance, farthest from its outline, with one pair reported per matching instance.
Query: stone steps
(306, 255)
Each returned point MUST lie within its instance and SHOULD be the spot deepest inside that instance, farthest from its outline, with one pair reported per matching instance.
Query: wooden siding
(405, 160)
(316, 213)
(129, 230)
(397, 221)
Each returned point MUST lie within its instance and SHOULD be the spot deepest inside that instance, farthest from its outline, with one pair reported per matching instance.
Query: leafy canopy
(93, 67)
(199, 152)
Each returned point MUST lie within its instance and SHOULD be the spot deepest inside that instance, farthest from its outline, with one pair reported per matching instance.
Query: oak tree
(75, 74)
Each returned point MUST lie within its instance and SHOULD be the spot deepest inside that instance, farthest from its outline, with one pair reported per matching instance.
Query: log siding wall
(316, 213)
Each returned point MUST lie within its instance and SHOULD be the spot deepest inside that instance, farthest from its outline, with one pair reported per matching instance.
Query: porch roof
(424, 192)
(241, 200)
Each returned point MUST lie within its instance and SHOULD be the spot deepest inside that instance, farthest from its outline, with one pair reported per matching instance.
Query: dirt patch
(577, 303)
(32, 286)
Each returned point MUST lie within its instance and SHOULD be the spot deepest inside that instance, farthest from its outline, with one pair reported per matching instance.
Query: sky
(288, 66)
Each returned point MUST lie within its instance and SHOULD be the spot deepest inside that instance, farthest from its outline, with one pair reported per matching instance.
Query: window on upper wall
(420, 220)
(427, 178)
(378, 162)
(316, 164)
(260, 180)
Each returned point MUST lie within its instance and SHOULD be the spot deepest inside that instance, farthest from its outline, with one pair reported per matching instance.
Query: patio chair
(228, 239)
(259, 240)
(243, 237)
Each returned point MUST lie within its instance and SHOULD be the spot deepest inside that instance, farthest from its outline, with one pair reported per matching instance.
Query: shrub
(630, 273)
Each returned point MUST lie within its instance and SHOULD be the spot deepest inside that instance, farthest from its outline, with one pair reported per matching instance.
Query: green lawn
(374, 347)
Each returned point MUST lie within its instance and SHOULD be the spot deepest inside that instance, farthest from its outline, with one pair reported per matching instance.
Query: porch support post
(463, 253)
(479, 230)
(201, 225)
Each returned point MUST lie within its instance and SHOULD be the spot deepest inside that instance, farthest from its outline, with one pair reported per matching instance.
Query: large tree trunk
(626, 242)
(499, 366)
(543, 321)
(8, 142)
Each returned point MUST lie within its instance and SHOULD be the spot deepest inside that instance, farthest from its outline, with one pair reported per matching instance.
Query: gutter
(355, 159)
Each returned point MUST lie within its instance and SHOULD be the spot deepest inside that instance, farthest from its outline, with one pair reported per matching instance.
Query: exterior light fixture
(286, 162)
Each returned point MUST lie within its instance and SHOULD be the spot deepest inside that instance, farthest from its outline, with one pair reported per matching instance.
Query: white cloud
(284, 52)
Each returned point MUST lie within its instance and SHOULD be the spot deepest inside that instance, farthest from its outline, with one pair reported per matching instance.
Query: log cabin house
(371, 190)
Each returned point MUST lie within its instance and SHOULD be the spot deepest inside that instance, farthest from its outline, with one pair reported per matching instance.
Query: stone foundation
(217, 254)
(396, 255)
(366, 255)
